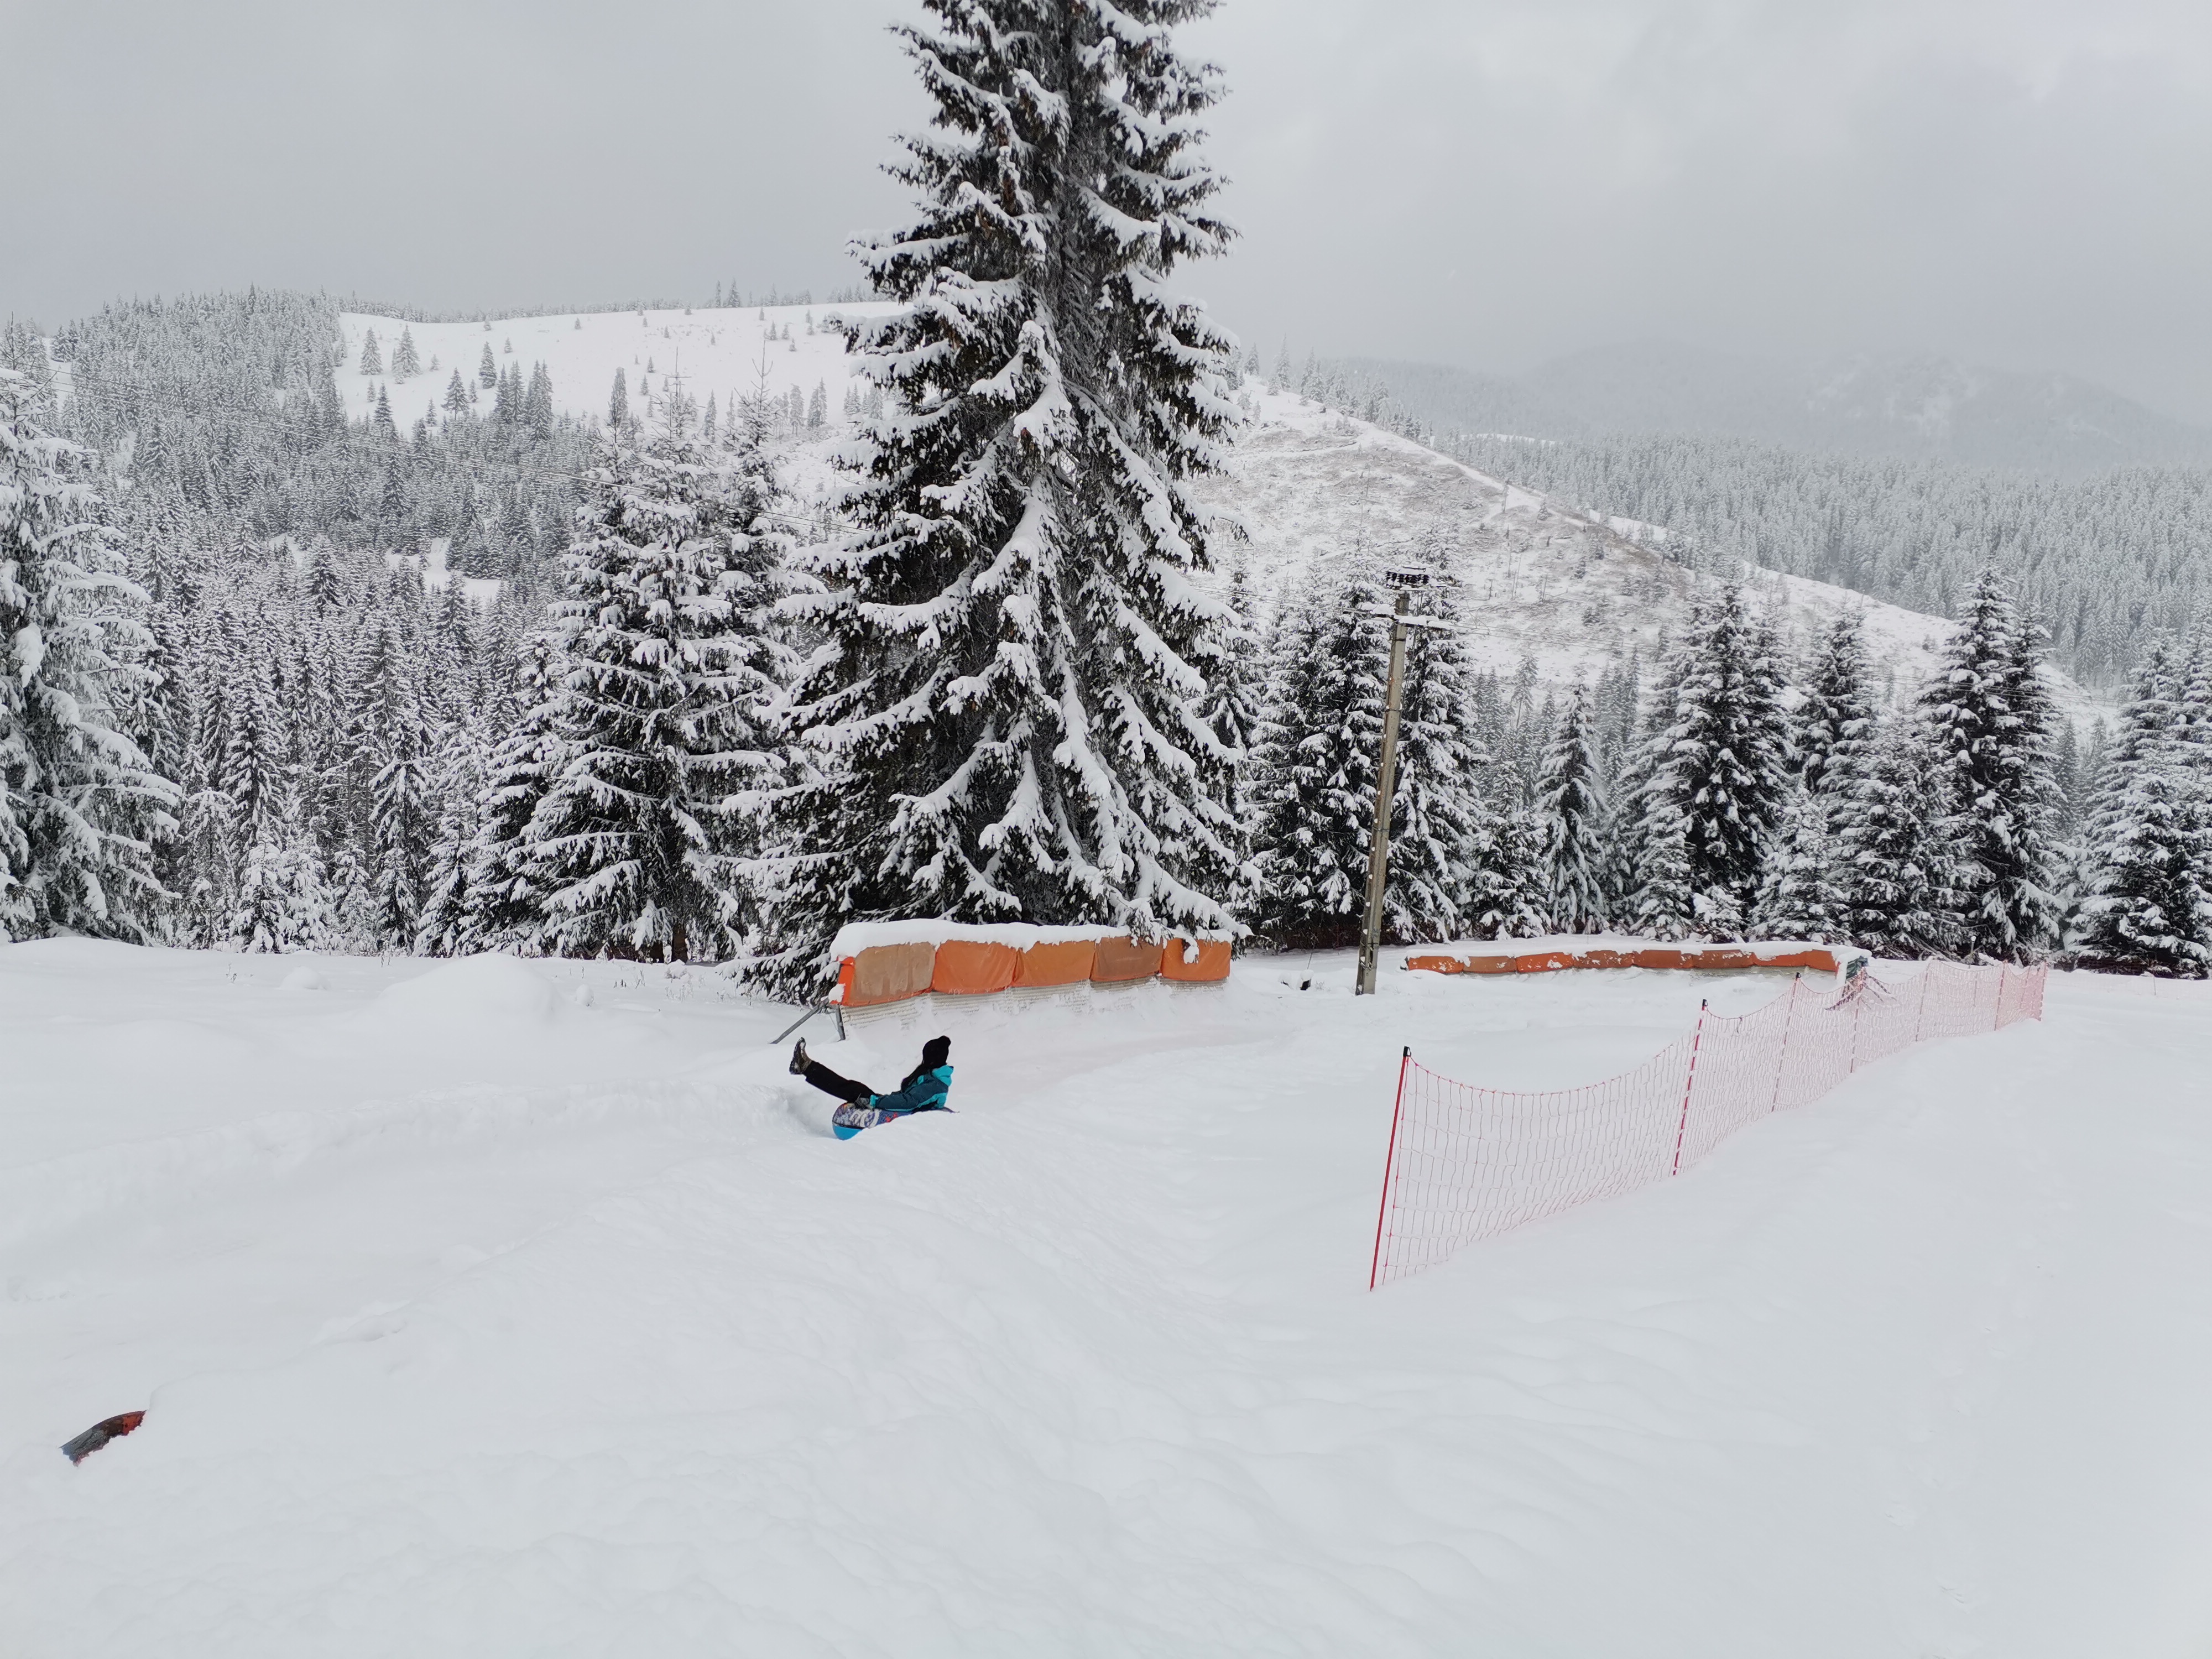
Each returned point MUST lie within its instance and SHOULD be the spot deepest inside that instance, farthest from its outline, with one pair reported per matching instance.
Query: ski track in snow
(474, 1319)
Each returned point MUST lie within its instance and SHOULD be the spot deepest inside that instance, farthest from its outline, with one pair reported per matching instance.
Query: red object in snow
(112, 1428)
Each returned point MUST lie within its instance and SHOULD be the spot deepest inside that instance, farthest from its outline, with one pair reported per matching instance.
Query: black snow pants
(844, 1088)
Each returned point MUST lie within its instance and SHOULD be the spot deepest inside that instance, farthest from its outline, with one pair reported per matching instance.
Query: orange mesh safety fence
(1056, 965)
(1465, 1162)
(967, 969)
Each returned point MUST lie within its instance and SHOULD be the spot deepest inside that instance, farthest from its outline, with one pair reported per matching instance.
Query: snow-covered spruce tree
(1570, 824)
(405, 365)
(442, 929)
(663, 721)
(1987, 717)
(1834, 717)
(283, 902)
(2148, 908)
(505, 907)
(1005, 717)
(80, 804)
(1721, 768)
(1896, 868)
(1798, 897)
(372, 360)
(1444, 834)
(1314, 770)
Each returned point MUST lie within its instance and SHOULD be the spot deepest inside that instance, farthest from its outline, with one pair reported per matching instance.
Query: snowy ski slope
(494, 1308)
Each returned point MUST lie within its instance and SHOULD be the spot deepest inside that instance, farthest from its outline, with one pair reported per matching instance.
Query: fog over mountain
(1921, 406)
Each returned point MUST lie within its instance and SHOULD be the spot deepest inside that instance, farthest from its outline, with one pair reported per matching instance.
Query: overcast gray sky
(1486, 182)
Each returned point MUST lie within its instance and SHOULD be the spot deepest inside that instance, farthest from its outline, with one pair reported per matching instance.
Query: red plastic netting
(1466, 1162)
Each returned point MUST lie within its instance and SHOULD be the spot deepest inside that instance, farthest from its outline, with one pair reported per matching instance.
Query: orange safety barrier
(1056, 964)
(1717, 958)
(889, 972)
(966, 968)
(1212, 962)
(1543, 961)
(1121, 958)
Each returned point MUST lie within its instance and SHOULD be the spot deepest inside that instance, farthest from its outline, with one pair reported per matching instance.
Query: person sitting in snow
(924, 1089)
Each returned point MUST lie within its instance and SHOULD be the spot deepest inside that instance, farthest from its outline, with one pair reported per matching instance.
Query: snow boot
(798, 1058)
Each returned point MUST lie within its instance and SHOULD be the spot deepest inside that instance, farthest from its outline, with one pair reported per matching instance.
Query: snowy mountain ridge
(1542, 581)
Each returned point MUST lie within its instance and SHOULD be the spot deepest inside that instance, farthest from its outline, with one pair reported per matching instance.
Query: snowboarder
(924, 1089)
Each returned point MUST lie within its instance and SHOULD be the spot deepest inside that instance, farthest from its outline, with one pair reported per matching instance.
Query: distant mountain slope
(1542, 582)
(1918, 406)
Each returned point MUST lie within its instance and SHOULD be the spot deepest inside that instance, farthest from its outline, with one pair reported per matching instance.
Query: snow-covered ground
(493, 1308)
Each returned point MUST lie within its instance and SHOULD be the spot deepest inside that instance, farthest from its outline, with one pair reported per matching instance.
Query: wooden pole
(1379, 850)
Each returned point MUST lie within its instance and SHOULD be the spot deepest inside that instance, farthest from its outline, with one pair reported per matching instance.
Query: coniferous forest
(673, 718)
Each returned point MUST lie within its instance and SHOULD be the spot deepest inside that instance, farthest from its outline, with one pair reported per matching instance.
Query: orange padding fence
(1465, 1162)
(1544, 960)
(891, 973)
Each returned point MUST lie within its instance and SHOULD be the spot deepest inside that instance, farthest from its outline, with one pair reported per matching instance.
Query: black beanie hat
(934, 1051)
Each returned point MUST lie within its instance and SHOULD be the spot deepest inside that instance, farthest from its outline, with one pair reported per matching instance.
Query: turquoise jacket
(923, 1091)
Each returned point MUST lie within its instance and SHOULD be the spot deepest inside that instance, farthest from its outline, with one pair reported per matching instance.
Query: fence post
(1782, 1059)
(1389, 1158)
(1858, 1007)
(1688, 1084)
(1996, 1014)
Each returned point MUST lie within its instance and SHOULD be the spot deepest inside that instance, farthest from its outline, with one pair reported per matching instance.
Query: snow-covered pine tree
(1799, 896)
(1006, 715)
(506, 906)
(1896, 867)
(80, 804)
(405, 365)
(283, 902)
(664, 720)
(372, 360)
(1987, 716)
(442, 929)
(487, 369)
(1444, 838)
(1835, 714)
(1313, 791)
(818, 406)
(457, 396)
(1235, 703)
(617, 400)
(1721, 771)
(2148, 906)
(1570, 824)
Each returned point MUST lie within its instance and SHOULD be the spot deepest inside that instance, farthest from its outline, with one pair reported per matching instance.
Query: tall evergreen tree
(1835, 715)
(1720, 776)
(638, 844)
(80, 804)
(372, 359)
(1988, 715)
(404, 364)
(1313, 793)
(487, 369)
(1570, 822)
(2148, 908)
(506, 905)
(1006, 719)
(1897, 870)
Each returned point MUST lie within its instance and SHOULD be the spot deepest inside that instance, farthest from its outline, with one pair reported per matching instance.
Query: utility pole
(1378, 849)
